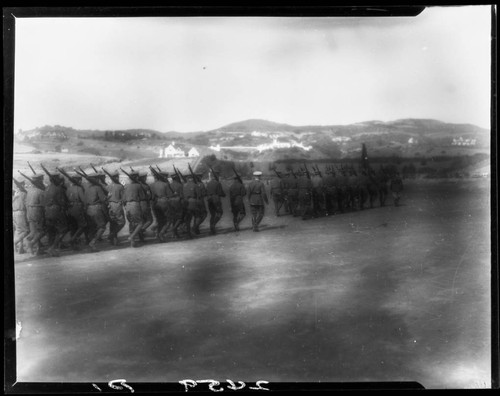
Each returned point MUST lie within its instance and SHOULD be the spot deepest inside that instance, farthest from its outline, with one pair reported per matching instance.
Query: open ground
(385, 294)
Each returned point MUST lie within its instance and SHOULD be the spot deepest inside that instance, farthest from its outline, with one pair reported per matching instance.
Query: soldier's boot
(141, 234)
(163, 233)
(175, 228)
(134, 233)
(97, 237)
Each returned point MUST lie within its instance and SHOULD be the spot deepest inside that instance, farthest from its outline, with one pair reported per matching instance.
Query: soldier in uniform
(145, 204)
(96, 203)
(305, 187)
(214, 195)
(363, 184)
(396, 188)
(35, 214)
(237, 192)
(56, 203)
(257, 197)
(77, 219)
(159, 192)
(21, 227)
(372, 187)
(133, 194)
(382, 181)
(192, 195)
(342, 190)
(202, 208)
(318, 193)
(277, 194)
(176, 202)
(115, 207)
(292, 193)
(330, 192)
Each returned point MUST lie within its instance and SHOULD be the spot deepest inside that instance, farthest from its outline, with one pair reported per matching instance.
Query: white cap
(257, 173)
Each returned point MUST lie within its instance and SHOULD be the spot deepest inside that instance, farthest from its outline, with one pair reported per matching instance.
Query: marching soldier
(396, 188)
(145, 204)
(191, 194)
(257, 197)
(202, 208)
(277, 193)
(292, 193)
(372, 187)
(305, 187)
(56, 202)
(330, 192)
(35, 214)
(237, 192)
(96, 205)
(77, 219)
(214, 195)
(383, 190)
(133, 194)
(362, 188)
(317, 193)
(115, 207)
(160, 206)
(21, 227)
(176, 201)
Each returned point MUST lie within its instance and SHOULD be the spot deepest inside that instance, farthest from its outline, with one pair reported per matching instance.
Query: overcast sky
(197, 74)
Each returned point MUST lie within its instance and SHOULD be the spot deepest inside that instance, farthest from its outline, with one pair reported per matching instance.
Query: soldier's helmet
(37, 176)
(163, 173)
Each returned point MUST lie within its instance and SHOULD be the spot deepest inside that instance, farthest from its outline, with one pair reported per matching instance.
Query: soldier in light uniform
(133, 194)
(56, 204)
(21, 227)
(292, 193)
(176, 202)
(145, 204)
(257, 198)
(115, 207)
(96, 202)
(237, 192)
(77, 219)
(160, 206)
(192, 196)
(214, 195)
(330, 192)
(202, 208)
(35, 214)
(305, 187)
(277, 193)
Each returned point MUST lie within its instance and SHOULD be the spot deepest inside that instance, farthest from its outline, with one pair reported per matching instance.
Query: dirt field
(385, 294)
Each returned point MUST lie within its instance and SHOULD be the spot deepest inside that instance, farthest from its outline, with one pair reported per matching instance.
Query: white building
(463, 142)
(193, 153)
(171, 152)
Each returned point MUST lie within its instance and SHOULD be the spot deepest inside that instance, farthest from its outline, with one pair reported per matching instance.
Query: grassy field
(384, 294)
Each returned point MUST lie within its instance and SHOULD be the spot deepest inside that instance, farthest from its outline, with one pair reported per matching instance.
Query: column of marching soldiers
(176, 203)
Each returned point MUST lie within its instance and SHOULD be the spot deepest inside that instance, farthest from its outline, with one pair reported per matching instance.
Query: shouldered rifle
(82, 172)
(237, 176)
(213, 173)
(71, 179)
(31, 168)
(129, 175)
(277, 173)
(19, 185)
(307, 171)
(132, 169)
(51, 178)
(37, 184)
(162, 178)
(192, 173)
(179, 174)
(93, 167)
(318, 171)
(91, 181)
(293, 173)
(109, 174)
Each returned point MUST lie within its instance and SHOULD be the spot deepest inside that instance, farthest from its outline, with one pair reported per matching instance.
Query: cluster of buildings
(176, 152)
(463, 142)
